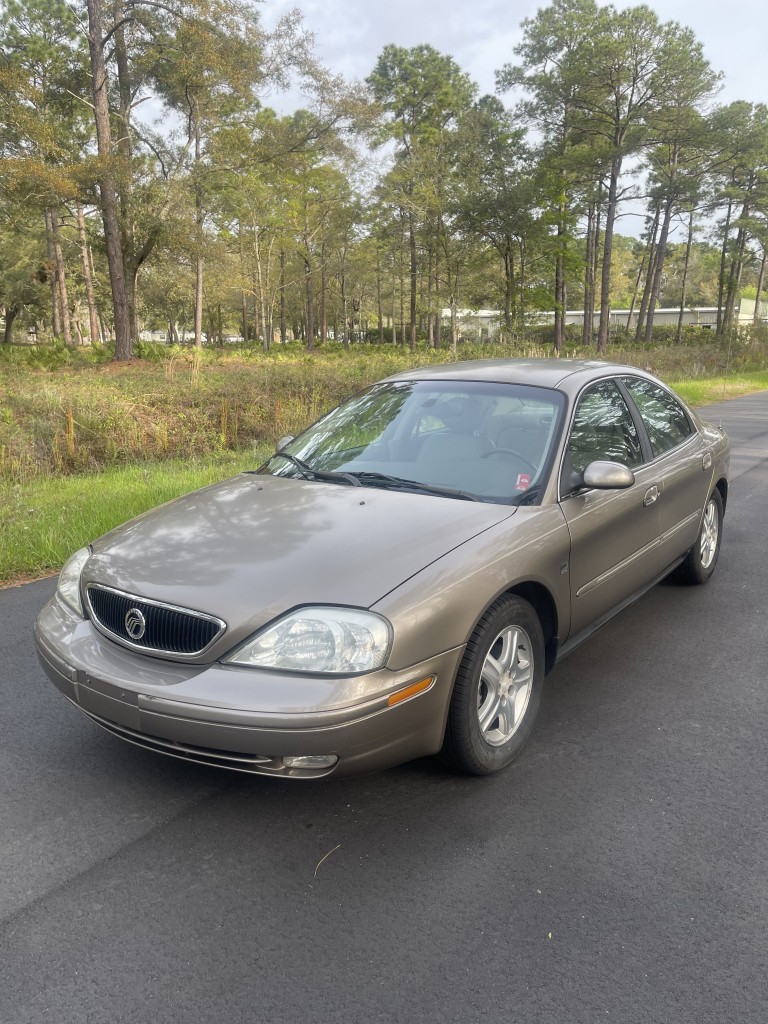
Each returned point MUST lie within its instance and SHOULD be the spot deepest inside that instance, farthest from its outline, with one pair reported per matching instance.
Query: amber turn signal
(410, 691)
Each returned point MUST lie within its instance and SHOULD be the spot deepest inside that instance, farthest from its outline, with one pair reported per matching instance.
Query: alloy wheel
(506, 682)
(710, 529)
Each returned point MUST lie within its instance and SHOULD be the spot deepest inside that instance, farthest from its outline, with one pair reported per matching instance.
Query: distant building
(485, 324)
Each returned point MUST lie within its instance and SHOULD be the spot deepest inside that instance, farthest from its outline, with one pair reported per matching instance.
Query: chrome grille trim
(171, 630)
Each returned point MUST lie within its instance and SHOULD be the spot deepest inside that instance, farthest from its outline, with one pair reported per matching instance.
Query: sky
(481, 35)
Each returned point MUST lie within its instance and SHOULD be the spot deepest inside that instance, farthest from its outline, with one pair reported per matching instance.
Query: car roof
(568, 374)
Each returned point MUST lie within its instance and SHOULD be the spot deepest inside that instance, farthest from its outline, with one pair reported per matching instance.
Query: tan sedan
(397, 580)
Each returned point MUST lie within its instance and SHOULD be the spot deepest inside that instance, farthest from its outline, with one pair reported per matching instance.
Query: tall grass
(64, 412)
(86, 444)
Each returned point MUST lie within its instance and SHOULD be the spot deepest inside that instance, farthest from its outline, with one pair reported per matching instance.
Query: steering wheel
(510, 451)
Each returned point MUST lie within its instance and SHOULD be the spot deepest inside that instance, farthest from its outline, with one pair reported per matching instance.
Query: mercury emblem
(135, 624)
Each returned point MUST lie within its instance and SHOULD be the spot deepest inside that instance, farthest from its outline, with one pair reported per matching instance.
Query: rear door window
(664, 418)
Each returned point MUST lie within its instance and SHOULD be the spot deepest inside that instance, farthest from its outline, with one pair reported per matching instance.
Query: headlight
(68, 587)
(332, 640)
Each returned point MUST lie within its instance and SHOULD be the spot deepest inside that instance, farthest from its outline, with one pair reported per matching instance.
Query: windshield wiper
(412, 485)
(316, 474)
(529, 497)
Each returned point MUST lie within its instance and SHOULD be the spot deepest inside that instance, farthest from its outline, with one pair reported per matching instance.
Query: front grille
(165, 629)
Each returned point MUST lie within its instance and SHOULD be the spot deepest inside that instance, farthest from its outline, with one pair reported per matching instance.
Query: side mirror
(283, 442)
(608, 476)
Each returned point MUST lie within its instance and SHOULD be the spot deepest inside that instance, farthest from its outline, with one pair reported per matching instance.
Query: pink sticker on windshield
(523, 481)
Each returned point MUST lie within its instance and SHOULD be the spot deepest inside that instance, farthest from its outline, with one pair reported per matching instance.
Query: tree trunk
(243, 291)
(658, 269)
(323, 296)
(394, 302)
(379, 307)
(605, 277)
(76, 324)
(11, 312)
(723, 260)
(283, 329)
(61, 279)
(309, 298)
(105, 329)
(51, 267)
(639, 329)
(588, 327)
(454, 325)
(93, 318)
(344, 325)
(559, 332)
(636, 289)
(199, 217)
(560, 292)
(522, 306)
(509, 288)
(124, 147)
(430, 289)
(756, 318)
(737, 267)
(267, 300)
(413, 278)
(686, 262)
(589, 298)
(259, 289)
(107, 188)
(438, 299)
(244, 314)
(403, 333)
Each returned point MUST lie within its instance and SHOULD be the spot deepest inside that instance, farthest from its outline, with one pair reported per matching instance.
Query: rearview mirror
(607, 476)
(283, 442)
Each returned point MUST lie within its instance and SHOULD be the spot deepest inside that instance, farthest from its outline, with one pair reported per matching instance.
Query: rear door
(682, 461)
(615, 534)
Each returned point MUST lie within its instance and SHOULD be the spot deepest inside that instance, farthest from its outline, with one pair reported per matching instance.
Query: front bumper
(240, 718)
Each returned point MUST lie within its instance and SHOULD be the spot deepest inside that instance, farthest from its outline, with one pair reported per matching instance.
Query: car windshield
(483, 441)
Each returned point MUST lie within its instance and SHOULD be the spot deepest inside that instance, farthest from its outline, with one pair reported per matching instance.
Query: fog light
(311, 761)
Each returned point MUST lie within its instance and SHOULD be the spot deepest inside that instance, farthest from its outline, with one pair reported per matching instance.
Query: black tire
(701, 560)
(478, 741)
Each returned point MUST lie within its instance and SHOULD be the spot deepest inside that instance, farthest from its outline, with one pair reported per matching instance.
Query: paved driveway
(616, 873)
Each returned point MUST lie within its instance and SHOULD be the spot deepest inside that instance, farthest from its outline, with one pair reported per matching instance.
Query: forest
(147, 184)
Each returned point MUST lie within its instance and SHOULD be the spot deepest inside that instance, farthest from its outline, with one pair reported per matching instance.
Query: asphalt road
(617, 872)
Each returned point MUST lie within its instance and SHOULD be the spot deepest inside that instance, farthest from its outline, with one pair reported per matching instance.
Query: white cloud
(481, 37)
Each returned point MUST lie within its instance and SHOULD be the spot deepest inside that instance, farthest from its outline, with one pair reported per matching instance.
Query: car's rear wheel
(701, 560)
(498, 689)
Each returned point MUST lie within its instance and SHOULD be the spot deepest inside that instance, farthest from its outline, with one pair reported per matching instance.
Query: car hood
(250, 548)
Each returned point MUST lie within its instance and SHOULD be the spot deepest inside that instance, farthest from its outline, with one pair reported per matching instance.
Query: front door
(614, 533)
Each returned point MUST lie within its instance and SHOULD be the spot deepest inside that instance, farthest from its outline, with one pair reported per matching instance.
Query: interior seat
(526, 436)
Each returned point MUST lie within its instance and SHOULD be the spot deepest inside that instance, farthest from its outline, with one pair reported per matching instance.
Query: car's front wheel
(701, 560)
(498, 689)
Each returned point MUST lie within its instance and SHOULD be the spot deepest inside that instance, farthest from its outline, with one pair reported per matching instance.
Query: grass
(718, 389)
(46, 520)
(71, 413)
(86, 444)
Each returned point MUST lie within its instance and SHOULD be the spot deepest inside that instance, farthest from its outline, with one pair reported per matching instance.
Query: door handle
(651, 495)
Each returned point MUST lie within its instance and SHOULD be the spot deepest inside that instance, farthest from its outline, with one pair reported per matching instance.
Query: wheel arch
(722, 486)
(539, 597)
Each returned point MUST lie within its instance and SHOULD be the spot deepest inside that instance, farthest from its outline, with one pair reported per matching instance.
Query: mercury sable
(397, 580)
